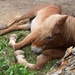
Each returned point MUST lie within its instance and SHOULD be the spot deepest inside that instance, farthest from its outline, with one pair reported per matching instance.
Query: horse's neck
(70, 29)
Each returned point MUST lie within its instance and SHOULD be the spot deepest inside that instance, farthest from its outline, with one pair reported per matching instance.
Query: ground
(11, 9)
(17, 7)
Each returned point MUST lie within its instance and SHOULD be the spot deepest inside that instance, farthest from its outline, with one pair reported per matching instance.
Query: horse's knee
(42, 58)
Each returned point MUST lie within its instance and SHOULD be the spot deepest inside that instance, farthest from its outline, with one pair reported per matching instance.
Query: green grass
(8, 63)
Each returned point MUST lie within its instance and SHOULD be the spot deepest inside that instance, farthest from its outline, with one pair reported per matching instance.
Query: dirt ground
(10, 9)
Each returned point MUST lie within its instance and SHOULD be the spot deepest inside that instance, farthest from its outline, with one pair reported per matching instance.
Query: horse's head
(51, 36)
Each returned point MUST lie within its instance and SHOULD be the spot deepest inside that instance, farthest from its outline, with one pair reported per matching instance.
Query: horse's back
(43, 14)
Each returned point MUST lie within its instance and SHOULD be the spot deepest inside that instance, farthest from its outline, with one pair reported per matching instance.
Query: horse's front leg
(40, 62)
(28, 39)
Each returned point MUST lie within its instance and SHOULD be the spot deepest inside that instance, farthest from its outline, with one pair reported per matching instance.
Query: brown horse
(56, 36)
(60, 35)
(40, 13)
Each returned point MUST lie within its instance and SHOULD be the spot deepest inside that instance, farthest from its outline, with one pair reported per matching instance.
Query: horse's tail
(59, 9)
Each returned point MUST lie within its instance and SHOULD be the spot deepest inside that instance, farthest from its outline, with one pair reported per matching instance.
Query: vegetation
(8, 63)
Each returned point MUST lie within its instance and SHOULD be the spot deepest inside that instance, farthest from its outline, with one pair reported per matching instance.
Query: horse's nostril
(36, 50)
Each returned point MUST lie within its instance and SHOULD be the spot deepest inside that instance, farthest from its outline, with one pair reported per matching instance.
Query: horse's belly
(35, 23)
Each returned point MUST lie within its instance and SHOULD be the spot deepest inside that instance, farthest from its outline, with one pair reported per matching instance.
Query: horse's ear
(62, 20)
(59, 24)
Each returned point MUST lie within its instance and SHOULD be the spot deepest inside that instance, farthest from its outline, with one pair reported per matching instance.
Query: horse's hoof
(11, 44)
(13, 39)
(18, 52)
(13, 36)
(3, 26)
(21, 60)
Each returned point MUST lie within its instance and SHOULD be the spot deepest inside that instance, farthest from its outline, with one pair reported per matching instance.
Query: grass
(8, 63)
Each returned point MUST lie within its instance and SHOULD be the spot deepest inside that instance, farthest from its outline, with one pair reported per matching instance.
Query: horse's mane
(49, 25)
(69, 29)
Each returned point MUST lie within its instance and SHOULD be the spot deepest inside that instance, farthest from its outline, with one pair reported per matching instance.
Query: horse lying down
(57, 35)
(47, 55)
(36, 17)
(52, 42)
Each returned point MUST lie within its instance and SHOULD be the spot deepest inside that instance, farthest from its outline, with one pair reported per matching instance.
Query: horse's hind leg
(15, 27)
(40, 62)
(32, 13)
(4, 26)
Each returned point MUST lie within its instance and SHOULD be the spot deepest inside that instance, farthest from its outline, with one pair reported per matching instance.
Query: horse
(36, 17)
(56, 37)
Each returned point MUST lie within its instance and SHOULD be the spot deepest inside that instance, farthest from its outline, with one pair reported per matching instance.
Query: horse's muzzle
(36, 50)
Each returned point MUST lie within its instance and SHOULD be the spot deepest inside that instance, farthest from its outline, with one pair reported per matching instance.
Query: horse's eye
(49, 37)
